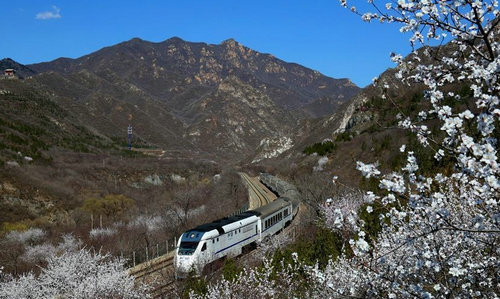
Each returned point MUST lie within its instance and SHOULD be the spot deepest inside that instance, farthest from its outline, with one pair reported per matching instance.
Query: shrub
(320, 148)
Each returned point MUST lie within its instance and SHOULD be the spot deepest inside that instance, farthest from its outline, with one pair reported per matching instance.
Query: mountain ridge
(166, 89)
(208, 64)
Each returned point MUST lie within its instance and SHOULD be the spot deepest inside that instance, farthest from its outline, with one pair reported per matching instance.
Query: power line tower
(129, 131)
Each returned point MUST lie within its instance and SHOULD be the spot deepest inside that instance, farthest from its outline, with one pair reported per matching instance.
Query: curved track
(258, 194)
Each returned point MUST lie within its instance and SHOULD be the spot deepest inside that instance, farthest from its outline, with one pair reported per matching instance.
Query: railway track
(145, 269)
(259, 195)
(163, 290)
(159, 273)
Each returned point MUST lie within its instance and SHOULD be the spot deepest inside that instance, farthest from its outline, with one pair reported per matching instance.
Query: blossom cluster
(75, 273)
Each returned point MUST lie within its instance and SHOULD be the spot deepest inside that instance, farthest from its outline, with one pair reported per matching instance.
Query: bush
(346, 136)
(230, 270)
(321, 148)
(324, 245)
(194, 284)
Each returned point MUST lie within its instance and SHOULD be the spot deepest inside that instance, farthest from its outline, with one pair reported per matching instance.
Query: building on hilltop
(10, 74)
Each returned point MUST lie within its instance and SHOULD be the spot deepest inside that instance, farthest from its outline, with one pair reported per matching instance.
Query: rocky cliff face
(235, 118)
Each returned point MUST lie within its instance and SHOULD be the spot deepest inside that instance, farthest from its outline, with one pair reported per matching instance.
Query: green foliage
(427, 164)
(372, 129)
(324, 245)
(363, 146)
(137, 142)
(194, 284)
(383, 145)
(397, 159)
(131, 153)
(370, 184)
(345, 136)
(465, 91)
(13, 226)
(31, 123)
(230, 270)
(14, 139)
(113, 205)
(375, 102)
(11, 213)
(372, 221)
(321, 148)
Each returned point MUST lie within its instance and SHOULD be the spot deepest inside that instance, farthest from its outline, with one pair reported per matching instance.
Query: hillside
(366, 129)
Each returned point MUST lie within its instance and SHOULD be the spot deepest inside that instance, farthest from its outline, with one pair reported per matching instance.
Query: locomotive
(231, 236)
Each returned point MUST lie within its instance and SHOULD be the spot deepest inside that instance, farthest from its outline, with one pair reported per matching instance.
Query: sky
(317, 34)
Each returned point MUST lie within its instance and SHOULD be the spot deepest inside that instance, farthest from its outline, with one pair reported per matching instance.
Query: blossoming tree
(440, 234)
(76, 273)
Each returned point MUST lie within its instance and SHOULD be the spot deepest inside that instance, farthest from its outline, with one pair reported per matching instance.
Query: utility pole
(129, 131)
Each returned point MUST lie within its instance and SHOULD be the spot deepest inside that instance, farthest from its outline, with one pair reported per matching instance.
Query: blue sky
(318, 34)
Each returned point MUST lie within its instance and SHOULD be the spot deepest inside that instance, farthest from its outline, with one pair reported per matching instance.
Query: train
(203, 246)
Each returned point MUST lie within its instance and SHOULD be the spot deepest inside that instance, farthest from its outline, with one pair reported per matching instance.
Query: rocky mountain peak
(230, 42)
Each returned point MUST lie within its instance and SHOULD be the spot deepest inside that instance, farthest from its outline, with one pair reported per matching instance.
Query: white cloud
(46, 15)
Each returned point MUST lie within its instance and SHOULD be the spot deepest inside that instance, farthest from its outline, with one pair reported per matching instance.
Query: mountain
(225, 100)
(177, 72)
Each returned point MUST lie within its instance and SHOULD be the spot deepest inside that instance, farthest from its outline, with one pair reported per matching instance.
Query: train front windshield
(188, 248)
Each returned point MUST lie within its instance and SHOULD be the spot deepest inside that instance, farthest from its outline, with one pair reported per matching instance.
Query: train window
(204, 247)
(213, 241)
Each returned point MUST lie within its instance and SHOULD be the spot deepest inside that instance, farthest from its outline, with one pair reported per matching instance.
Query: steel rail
(262, 196)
